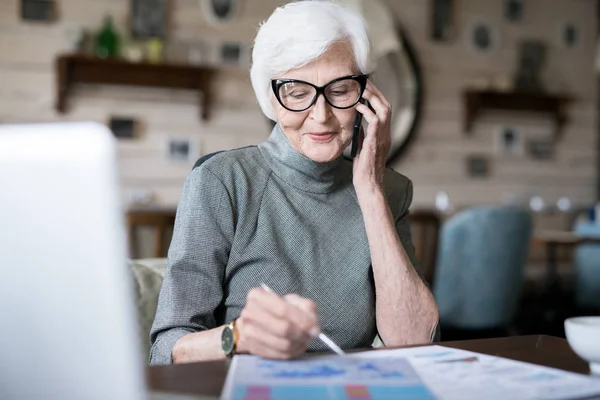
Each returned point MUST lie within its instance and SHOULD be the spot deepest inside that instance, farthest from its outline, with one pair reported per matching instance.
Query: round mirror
(398, 76)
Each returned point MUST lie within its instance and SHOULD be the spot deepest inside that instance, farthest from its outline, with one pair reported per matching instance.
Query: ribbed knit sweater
(269, 214)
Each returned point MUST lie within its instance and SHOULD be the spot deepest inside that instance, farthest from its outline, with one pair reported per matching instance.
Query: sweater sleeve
(193, 284)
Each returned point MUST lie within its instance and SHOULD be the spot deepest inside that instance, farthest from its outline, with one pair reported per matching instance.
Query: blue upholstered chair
(480, 267)
(587, 268)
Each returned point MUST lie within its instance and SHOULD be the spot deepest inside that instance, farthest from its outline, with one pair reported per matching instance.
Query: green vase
(107, 41)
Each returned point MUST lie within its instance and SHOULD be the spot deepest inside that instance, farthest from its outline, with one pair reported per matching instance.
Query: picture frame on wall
(123, 127)
(182, 150)
(513, 10)
(569, 35)
(482, 37)
(509, 141)
(442, 29)
(38, 10)
(532, 55)
(478, 166)
(149, 19)
(541, 149)
(233, 53)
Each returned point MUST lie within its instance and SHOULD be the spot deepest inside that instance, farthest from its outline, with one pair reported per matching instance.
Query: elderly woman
(329, 236)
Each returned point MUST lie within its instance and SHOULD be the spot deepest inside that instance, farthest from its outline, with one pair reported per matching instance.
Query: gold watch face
(227, 340)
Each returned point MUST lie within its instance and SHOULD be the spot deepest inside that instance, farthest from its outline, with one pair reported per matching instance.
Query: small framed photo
(38, 10)
(233, 53)
(570, 36)
(478, 166)
(123, 127)
(483, 38)
(541, 149)
(183, 150)
(442, 28)
(149, 18)
(513, 10)
(509, 141)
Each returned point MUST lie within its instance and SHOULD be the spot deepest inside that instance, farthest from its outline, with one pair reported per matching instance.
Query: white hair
(298, 33)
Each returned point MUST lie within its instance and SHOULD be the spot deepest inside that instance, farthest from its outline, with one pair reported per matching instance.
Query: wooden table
(207, 378)
(159, 218)
(555, 239)
(553, 296)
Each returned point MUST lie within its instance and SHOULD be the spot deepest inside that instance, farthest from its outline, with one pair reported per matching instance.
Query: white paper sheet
(429, 372)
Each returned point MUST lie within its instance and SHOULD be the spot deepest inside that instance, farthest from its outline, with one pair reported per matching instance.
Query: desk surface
(207, 378)
(563, 237)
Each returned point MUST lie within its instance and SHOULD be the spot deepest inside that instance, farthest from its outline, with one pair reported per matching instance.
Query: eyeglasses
(296, 95)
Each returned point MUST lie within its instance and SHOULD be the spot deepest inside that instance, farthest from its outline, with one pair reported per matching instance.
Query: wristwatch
(229, 339)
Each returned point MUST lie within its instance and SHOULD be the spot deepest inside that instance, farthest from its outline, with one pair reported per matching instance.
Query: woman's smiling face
(321, 132)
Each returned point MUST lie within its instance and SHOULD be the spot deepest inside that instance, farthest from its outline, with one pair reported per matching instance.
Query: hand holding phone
(356, 129)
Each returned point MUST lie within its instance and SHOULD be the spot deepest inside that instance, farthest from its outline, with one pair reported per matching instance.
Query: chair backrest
(480, 269)
(587, 268)
(162, 220)
(148, 275)
(425, 229)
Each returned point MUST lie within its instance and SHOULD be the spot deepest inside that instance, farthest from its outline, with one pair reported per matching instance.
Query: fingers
(382, 108)
(265, 344)
(373, 125)
(367, 113)
(378, 118)
(282, 327)
(301, 316)
(308, 321)
(277, 327)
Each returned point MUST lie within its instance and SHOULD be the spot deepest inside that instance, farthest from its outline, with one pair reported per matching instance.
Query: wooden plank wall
(435, 161)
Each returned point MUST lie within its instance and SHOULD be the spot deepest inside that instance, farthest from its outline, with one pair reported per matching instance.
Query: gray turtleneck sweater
(269, 214)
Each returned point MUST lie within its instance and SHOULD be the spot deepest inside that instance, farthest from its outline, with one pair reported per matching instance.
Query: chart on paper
(328, 378)
(429, 372)
(454, 374)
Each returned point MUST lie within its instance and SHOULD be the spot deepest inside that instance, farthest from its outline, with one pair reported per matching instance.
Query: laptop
(67, 314)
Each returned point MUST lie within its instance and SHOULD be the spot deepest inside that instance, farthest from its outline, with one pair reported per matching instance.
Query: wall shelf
(476, 101)
(74, 69)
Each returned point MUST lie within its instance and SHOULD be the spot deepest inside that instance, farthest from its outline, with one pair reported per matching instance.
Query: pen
(323, 337)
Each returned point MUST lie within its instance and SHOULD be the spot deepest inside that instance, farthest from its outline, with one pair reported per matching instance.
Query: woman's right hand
(271, 326)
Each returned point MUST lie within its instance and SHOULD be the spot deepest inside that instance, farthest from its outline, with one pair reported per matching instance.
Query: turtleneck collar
(301, 172)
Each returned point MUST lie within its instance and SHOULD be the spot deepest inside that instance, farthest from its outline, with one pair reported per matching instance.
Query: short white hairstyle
(298, 33)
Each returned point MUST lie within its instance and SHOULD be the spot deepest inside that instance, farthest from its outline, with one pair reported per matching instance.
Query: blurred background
(495, 121)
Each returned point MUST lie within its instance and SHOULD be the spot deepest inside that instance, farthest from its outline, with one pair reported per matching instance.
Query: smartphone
(357, 130)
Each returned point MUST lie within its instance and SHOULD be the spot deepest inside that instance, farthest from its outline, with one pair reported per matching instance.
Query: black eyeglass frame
(276, 84)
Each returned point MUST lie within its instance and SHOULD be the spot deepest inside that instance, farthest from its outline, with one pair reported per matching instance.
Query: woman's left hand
(369, 163)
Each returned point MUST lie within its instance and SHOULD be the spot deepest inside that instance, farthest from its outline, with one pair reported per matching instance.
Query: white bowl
(583, 334)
